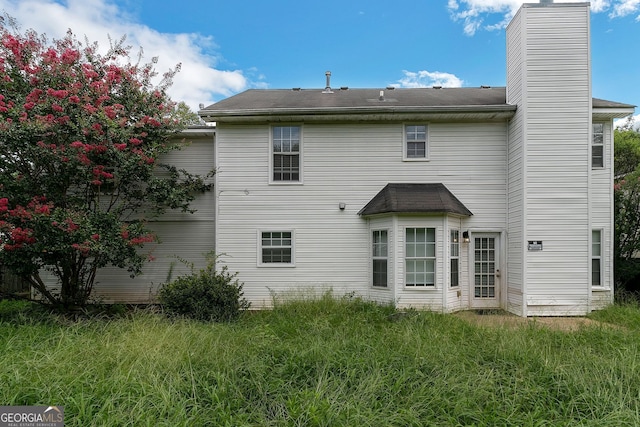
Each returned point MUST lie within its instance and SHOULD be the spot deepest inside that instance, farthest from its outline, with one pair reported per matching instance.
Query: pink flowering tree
(81, 138)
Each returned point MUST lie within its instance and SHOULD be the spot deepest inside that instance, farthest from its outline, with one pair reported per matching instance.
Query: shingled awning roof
(415, 198)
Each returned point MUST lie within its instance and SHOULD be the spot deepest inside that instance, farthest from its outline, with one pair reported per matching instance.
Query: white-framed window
(454, 258)
(416, 142)
(286, 154)
(420, 257)
(276, 248)
(380, 257)
(597, 145)
(596, 257)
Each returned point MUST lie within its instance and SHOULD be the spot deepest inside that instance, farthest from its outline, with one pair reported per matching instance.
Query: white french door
(485, 280)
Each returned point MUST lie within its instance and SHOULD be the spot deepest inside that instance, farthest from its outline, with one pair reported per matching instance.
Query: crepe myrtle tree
(81, 138)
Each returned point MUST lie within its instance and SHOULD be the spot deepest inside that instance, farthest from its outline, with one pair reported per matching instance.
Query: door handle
(497, 273)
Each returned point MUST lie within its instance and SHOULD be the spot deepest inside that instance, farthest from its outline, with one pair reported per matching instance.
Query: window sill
(276, 265)
(410, 159)
(600, 289)
(286, 183)
(420, 288)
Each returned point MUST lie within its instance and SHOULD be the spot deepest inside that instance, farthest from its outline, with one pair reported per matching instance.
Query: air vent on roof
(344, 87)
(327, 89)
(485, 87)
(295, 89)
(381, 97)
(437, 87)
(390, 87)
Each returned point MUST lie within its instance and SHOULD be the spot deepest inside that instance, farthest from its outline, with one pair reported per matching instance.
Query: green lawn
(324, 363)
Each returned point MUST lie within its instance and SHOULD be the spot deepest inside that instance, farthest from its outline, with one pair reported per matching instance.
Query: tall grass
(322, 362)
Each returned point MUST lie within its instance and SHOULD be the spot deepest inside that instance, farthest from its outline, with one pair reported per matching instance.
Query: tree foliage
(82, 135)
(627, 205)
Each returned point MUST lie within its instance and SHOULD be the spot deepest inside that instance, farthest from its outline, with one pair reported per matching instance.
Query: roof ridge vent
(327, 89)
(437, 87)
(391, 87)
(485, 87)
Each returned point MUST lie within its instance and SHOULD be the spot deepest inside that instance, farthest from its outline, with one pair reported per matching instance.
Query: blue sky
(227, 46)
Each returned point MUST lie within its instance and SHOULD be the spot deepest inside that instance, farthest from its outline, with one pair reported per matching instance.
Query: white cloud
(199, 81)
(635, 122)
(424, 78)
(473, 13)
(625, 7)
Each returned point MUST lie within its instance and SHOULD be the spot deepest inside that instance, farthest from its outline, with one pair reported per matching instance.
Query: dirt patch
(499, 318)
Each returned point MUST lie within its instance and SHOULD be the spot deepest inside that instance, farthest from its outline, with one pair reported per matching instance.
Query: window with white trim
(285, 148)
(380, 257)
(416, 144)
(420, 257)
(596, 258)
(276, 247)
(597, 146)
(454, 258)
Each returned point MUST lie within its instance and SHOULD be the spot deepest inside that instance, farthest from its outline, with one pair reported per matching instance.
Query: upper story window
(416, 142)
(597, 146)
(285, 148)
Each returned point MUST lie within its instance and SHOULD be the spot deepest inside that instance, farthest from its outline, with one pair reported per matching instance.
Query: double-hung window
(420, 257)
(454, 258)
(285, 148)
(416, 144)
(596, 258)
(597, 146)
(276, 247)
(380, 257)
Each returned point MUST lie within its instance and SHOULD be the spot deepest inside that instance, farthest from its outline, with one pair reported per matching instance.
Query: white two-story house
(437, 198)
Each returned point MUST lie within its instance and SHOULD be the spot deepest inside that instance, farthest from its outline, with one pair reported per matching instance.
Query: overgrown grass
(328, 362)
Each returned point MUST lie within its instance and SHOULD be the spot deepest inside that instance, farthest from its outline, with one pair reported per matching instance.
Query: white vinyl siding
(516, 166)
(551, 74)
(185, 235)
(332, 246)
(601, 200)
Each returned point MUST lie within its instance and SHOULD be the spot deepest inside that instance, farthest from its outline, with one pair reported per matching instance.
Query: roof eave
(611, 113)
(486, 112)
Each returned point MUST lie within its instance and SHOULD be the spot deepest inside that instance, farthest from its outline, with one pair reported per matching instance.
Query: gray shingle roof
(276, 99)
(603, 103)
(486, 103)
(415, 198)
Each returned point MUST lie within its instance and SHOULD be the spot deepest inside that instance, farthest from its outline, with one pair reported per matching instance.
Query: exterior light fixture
(342, 205)
(465, 237)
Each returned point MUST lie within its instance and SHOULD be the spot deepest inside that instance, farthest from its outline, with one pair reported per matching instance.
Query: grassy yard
(323, 363)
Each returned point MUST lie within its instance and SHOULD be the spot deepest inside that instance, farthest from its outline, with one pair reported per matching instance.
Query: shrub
(207, 295)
